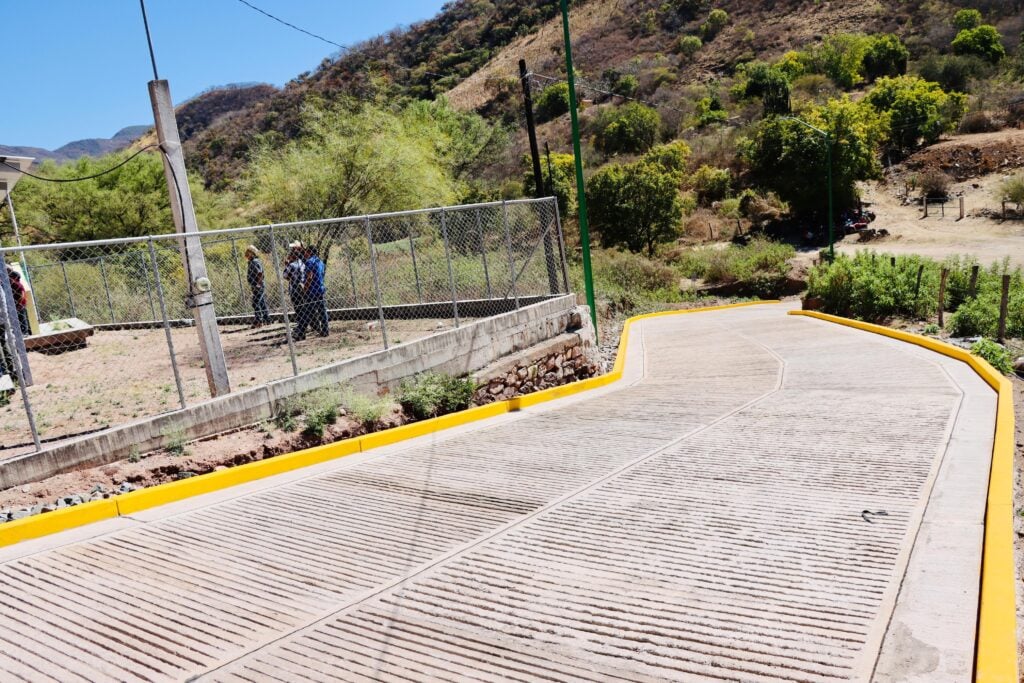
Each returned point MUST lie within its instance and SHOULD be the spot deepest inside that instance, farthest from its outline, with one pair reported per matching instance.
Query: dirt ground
(125, 375)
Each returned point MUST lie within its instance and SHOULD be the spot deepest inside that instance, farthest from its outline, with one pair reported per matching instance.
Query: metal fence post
(67, 286)
(451, 272)
(376, 284)
(106, 288)
(284, 301)
(238, 271)
(167, 323)
(10, 316)
(483, 253)
(561, 245)
(511, 258)
(415, 267)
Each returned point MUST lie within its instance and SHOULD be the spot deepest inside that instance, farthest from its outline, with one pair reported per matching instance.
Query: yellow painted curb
(128, 503)
(996, 655)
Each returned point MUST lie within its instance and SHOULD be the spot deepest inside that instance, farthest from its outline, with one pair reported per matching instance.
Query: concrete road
(763, 497)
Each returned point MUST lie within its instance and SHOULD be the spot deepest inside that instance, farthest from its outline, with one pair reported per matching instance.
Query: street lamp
(828, 150)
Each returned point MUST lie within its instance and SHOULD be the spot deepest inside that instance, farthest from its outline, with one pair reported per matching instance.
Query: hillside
(92, 147)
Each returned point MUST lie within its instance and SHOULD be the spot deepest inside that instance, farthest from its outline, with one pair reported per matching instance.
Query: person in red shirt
(20, 299)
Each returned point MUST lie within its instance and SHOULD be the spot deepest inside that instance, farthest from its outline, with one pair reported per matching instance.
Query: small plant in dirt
(175, 442)
(133, 455)
(932, 329)
(996, 355)
(367, 410)
(432, 394)
(321, 409)
(1011, 190)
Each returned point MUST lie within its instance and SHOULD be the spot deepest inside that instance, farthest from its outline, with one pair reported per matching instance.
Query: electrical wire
(3, 160)
(586, 86)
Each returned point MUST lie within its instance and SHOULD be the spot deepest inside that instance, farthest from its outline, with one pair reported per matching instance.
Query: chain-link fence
(97, 334)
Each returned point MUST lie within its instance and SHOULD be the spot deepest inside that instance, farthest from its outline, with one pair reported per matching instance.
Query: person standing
(20, 300)
(254, 275)
(316, 291)
(295, 275)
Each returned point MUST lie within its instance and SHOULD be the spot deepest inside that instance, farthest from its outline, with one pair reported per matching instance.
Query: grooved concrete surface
(762, 498)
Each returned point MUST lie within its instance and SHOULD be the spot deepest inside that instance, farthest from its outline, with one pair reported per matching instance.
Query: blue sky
(79, 68)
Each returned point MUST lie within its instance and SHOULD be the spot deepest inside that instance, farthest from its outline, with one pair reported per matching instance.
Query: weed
(996, 355)
(932, 329)
(133, 455)
(432, 394)
(175, 442)
(367, 410)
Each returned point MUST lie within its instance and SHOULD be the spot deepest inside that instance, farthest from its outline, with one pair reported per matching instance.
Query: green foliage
(983, 41)
(563, 170)
(793, 64)
(711, 184)
(552, 102)
(841, 58)
(867, 287)
(631, 280)
(886, 56)
(688, 46)
(716, 21)
(175, 441)
(932, 329)
(367, 410)
(320, 409)
(1012, 190)
(635, 205)
(917, 112)
(966, 19)
(129, 202)
(979, 316)
(432, 394)
(670, 158)
(784, 154)
(630, 128)
(626, 85)
(770, 84)
(996, 355)
(953, 73)
(709, 110)
(759, 260)
(358, 158)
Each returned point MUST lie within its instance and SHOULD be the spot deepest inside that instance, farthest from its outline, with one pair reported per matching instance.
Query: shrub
(432, 394)
(636, 206)
(716, 21)
(670, 158)
(886, 56)
(320, 409)
(711, 184)
(367, 410)
(768, 83)
(631, 280)
(563, 173)
(869, 288)
(996, 355)
(552, 102)
(688, 46)
(709, 110)
(841, 58)
(632, 127)
(983, 41)
(934, 184)
(626, 85)
(1012, 190)
(979, 122)
(953, 73)
(966, 19)
(762, 263)
(918, 111)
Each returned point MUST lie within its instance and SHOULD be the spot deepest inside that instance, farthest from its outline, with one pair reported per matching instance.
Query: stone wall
(563, 359)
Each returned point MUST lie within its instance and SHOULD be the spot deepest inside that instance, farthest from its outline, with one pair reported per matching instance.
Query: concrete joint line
(400, 582)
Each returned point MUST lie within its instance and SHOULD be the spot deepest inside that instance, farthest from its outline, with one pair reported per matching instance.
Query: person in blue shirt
(315, 293)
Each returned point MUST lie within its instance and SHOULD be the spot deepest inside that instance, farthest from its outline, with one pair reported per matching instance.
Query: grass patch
(431, 394)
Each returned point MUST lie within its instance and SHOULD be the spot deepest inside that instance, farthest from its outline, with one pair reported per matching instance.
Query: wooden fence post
(892, 262)
(1004, 304)
(942, 296)
(962, 212)
(972, 290)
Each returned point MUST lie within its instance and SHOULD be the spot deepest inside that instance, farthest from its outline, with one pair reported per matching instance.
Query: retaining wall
(455, 352)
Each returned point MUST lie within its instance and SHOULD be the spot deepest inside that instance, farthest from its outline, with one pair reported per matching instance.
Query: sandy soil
(125, 375)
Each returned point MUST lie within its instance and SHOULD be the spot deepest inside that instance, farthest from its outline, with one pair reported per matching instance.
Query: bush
(867, 287)
(919, 111)
(768, 83)
(983, 41)
(716, 21)
(761, 263)
(670, 158)
(626, 85)
(709, 110)
(367, 410)
(711, 184)
(979, 122)
(563, 171)
(630, 128)
(841, 58)
(631, 280)
(688, 46)
(552, 102)
(636, 206)
(953, 73)
(966, 19)
(432, 394)
(886, 56)
(934, 184)
(996, 355)
(1012, 190)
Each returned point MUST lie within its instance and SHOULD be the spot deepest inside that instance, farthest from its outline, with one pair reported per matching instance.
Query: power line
(3, 160)
(594, 88)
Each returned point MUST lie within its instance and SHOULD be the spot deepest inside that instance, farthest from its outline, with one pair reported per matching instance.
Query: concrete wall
(455, 352)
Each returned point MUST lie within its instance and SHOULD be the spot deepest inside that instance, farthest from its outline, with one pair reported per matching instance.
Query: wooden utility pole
(199, 297)
(538, 177)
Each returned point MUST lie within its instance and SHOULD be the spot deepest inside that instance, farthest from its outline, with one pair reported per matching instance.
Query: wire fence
(97, 334)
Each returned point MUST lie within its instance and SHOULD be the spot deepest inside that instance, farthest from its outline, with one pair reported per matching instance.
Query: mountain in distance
(92, 147)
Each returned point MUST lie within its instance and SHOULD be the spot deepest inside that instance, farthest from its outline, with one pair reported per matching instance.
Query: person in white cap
(254, 274)
(295, 276)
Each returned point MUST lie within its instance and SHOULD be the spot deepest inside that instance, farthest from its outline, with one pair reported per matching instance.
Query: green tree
(358, 158)
(669, 158)
(552, 102)
(841, 58)
(716, 21)
(635, 205)
(563, 173)
(768, 83)
(983, 41)
(886, 56)
(711, 184)
(953, 72)
(916, 111)
(966, 19)
(630, 128)
(787, 157)
(709, 110)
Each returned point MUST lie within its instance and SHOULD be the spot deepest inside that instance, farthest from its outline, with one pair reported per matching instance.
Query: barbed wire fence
(98, 334)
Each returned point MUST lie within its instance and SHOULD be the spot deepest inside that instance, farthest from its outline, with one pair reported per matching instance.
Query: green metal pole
(831, 213)
(581, 193)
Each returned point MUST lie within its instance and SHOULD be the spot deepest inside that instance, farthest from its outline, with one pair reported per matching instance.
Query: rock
(220, 468)
(372, 326)
(496, 388)
(125, 488)
(521, 373)
(1018, 366)
(510, 378)
(20, 514)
